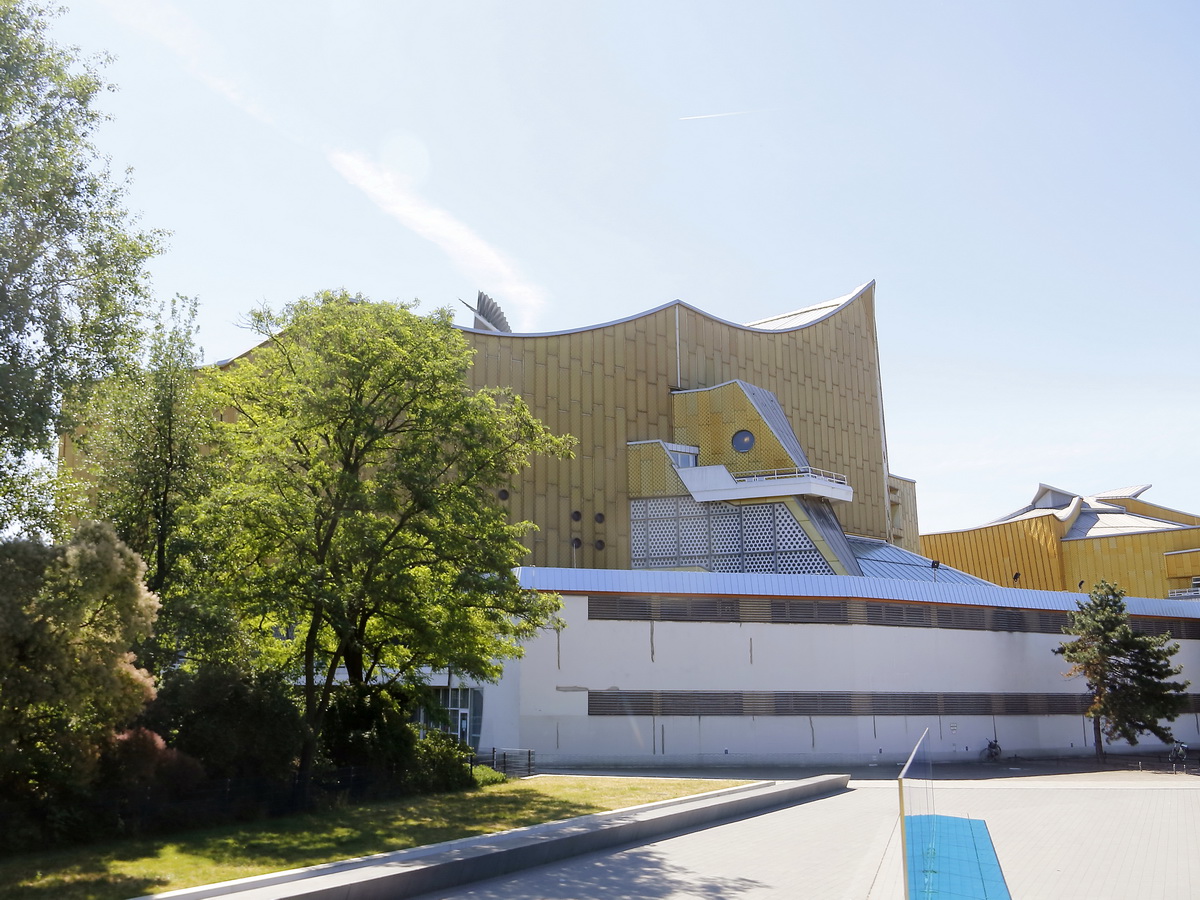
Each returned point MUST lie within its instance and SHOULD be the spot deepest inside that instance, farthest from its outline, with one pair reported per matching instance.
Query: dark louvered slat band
(819, 611)
(835, 703)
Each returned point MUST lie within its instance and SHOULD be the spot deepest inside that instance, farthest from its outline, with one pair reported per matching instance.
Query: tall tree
(142, 453)
(142, 443)
(72, 268)
(361, 511)
(1128, 674)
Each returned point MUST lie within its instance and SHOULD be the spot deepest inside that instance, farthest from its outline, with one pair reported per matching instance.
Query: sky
(1019, 178)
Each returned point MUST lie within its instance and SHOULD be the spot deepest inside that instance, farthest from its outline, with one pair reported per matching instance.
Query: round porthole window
(743, 441)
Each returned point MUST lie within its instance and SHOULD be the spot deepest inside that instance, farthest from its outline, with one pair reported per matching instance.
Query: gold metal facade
(710, 419)
(612, 384)
(1031, 547)
(651, 472)
(902, 502)
(1144, 564)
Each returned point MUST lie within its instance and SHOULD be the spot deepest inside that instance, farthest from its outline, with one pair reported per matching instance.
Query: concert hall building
(741, 572)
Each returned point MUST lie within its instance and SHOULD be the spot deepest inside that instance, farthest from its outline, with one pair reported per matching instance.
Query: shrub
(139, 760)
(442, 763)
(485, 775)
(237, 725)
(368, 726)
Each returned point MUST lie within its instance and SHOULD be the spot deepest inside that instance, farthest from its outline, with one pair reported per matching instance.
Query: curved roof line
(846, 300)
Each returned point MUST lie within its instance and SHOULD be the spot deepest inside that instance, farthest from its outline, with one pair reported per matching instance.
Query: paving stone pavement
(1094, 835)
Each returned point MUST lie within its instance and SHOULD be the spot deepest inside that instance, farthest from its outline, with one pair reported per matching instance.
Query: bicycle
(990, 753)
(1178, 753)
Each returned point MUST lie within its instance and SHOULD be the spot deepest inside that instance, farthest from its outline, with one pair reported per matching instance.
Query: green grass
(130, 868)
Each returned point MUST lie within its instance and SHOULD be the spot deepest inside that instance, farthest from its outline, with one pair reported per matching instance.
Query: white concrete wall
(545, 695)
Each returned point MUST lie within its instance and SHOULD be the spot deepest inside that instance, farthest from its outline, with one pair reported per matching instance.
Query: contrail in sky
(469, 251)
(466, 249)
(744, 112)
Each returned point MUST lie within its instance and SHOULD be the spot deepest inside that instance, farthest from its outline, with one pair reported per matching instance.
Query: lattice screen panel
(668, 532)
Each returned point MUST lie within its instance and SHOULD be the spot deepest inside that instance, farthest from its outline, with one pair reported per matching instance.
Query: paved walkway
(1092, 835)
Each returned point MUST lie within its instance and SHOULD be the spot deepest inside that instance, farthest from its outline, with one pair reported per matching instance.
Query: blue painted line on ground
(951, 858)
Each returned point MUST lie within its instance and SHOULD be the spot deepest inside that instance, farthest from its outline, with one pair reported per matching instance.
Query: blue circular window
(743, 441)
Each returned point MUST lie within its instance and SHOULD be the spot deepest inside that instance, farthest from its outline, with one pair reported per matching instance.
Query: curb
(406, 873)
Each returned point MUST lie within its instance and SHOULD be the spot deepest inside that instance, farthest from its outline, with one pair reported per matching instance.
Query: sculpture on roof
(488, 314)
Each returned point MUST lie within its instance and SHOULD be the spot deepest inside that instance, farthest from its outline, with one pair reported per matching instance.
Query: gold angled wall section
(612, 384)
(1066, 542)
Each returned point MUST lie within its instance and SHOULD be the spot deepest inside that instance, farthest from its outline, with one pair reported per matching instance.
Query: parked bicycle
(1178, 753)
(990, 753)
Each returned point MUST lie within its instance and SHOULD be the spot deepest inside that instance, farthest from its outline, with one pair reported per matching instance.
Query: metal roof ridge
(866, 587)
(849, 298)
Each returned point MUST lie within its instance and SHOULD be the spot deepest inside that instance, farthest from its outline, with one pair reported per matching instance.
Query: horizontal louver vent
(832, 703)
(857, 612)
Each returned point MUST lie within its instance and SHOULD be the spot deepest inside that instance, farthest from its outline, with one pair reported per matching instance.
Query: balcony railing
(774, 474)
(1184, 594)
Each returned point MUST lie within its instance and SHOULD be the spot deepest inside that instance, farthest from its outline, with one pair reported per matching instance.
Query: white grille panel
(663, 538)
(637, 539)
(758, 528)
(661, 508)
(669, 532)
(726, 533)
(693, 536)
(791, 535)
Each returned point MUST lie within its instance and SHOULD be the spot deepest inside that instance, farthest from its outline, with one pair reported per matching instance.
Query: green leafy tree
(1128, 674)
(69, 614)
(72, 268)
(360, 514)
(142, 444)
(141, 461)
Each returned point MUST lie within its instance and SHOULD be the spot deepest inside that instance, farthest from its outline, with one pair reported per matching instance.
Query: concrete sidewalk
(1093, 835)
(1090, 834)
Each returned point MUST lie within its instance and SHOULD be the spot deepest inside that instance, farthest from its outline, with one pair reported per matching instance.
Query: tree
(1127, 673)
(361, 512)
(71, 274)
(142, 443)
(69, 614)
(141, 459)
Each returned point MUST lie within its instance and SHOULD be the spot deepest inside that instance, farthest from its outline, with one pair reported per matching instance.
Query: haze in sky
(1019, 178)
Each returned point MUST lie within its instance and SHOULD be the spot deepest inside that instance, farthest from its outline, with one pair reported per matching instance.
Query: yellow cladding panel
(995, 552)
(612, 384)
(1183, 565)
(651, 473)
(709, 420)
(826, 377)
(1142, 564)
(1135, 562)
(1142, 508)
(902, 494)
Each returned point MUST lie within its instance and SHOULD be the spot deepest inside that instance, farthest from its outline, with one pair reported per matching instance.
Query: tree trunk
(1099, 739)
(308, 757)
(352, 659)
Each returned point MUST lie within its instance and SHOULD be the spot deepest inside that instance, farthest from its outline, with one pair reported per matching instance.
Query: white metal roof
(809, 314)
(748, 584)
(1095, 522)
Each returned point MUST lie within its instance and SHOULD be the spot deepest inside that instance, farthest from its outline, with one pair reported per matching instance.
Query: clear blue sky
(1019, 178)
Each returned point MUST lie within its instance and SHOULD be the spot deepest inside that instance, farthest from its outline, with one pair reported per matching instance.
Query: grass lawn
(130, 868)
